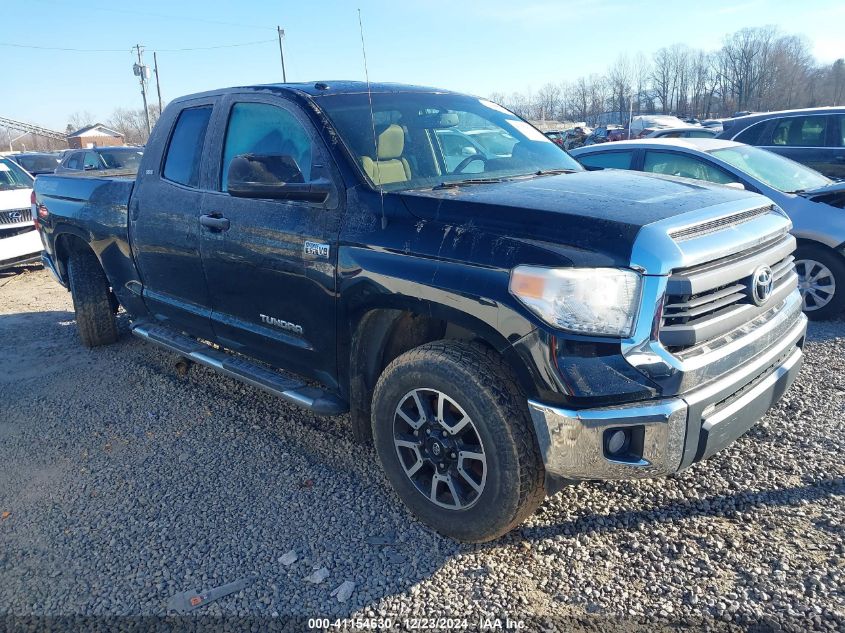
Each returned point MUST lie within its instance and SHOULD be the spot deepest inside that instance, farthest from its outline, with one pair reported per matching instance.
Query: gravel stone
(127, 481)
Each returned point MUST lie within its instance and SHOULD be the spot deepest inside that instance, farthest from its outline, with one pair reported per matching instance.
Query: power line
(129, 50)
(170, 17)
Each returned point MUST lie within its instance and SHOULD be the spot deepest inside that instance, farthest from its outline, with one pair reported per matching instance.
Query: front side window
(800, 131)
(772, 169)
(267, 130)
(607, 160)
(842, 130)
(75, 161)
(414, 140)
(92, 161)
(674, 164)
(184, 154)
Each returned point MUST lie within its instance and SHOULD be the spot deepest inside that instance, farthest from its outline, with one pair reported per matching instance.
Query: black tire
(478, 380)
(89, 288)
(836, 265)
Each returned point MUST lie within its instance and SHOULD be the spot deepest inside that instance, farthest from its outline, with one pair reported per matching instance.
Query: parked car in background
(713, 124)
(812, 136)
(644, 124)
(36, 162)
(695, 131)
(556, 136)
(576, 137)
(605, 134)
(19, 241)
(102, 158)
(814, 203)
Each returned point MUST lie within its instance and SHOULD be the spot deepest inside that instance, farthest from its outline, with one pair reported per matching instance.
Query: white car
(19, 241)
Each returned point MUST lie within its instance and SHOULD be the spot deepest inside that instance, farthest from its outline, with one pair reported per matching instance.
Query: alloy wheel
(439, 449)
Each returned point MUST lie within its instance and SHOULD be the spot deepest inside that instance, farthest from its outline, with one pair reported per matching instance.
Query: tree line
(758, 69)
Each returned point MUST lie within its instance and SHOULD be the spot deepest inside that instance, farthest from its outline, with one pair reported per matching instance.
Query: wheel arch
(381, 334)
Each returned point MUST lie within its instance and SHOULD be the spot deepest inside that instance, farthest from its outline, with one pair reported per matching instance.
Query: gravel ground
(124, 482)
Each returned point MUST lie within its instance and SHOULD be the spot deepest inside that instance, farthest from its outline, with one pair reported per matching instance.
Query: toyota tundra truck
(496, 324)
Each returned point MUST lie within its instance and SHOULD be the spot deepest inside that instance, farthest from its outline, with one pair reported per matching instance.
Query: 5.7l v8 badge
(316, 249)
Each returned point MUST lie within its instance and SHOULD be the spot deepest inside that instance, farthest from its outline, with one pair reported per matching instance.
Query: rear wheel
(91, 300)
(454, 437)
(821, 281)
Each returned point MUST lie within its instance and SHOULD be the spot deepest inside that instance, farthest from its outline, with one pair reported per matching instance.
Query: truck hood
(14, 199)
(593, 212)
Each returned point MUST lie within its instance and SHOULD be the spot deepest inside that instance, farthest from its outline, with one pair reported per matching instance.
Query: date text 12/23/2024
(416, 624)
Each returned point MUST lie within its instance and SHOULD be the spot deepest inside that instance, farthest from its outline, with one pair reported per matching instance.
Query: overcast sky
(467, 45)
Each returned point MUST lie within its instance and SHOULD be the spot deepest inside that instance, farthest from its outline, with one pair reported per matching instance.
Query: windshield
(772, 169)
(423, 140)
(122, 159)
(13, 177)
(38, 163)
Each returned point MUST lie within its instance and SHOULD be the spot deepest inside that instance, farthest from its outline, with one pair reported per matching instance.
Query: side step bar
(314, 399)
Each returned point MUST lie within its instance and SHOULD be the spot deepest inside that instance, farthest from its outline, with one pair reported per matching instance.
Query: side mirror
(468, 150)
(735, 185)
(274, 176)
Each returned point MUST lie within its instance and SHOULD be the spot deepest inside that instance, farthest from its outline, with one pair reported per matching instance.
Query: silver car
(814, 203)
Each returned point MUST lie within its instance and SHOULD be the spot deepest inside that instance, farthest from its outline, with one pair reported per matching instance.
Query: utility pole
(142, 72)
(281, 33)
(158, 86)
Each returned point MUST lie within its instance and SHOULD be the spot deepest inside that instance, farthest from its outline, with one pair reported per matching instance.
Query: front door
(271, 266)
(164, 213)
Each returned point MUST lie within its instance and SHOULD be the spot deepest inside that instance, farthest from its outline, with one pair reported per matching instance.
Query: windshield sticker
(494, 106)
(4, 167)
(530, 132)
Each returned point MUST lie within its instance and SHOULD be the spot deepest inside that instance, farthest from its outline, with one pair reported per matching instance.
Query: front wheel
(821, 281)
(454, 437)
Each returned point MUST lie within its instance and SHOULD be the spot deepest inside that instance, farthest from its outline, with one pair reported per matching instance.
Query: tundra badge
(316, 249)
(279, 323)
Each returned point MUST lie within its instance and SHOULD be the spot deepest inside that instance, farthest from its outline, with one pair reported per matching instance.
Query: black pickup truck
(495, 319)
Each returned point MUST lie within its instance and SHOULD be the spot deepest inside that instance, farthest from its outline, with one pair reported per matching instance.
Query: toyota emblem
(762, 282)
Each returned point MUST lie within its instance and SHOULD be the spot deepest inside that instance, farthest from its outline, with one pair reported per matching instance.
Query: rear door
(802, 138)
(164, 214)
(271, 273)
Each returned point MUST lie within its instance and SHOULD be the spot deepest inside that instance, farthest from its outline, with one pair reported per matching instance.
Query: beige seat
(389, 165)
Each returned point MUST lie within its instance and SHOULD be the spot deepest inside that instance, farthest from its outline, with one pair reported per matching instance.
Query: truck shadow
(724, 505)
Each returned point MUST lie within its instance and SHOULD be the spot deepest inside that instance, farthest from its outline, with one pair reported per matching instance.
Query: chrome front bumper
(673, 432)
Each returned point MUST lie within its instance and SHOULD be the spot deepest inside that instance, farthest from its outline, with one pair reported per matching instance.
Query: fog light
(616, 442)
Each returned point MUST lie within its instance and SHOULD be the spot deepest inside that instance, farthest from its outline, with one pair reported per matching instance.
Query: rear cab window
(607, 160)
(184, 152)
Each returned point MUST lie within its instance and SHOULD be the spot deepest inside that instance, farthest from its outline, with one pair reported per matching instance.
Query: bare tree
(79, 120)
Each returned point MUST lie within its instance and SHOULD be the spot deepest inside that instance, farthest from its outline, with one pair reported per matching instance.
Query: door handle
(215, 222)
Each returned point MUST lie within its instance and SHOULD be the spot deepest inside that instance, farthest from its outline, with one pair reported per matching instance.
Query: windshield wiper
(552, 172)
(468, 181)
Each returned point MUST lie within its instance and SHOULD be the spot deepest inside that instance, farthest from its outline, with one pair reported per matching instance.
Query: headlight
(599, 301)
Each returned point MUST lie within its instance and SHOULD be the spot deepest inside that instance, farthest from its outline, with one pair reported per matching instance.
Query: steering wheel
(466, 161)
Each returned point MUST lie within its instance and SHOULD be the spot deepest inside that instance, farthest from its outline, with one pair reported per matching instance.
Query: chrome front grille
(15, 216)
(706, 302)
